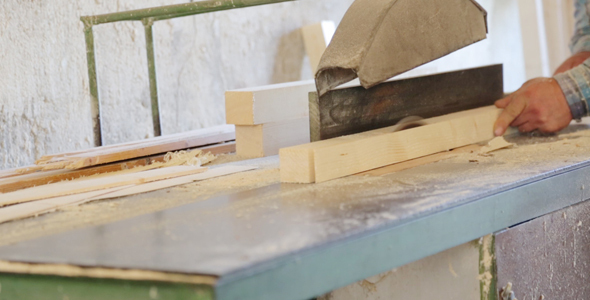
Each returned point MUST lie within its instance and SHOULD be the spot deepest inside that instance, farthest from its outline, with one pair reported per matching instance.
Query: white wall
(530, 37)
(44, 99)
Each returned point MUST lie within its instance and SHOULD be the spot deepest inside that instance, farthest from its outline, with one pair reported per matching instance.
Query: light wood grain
(34, 208)
(161, 139)
(421, 161)
(265, 140)
(75, 187)
(339, 157)
(15, 183)
(268, 104)
(99, 156)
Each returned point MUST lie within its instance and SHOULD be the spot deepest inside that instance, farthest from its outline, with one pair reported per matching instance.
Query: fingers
(502, 103)
(527, 127)
(510, 113)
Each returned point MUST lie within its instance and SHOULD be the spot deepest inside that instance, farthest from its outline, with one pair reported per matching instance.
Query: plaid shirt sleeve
(575, 83)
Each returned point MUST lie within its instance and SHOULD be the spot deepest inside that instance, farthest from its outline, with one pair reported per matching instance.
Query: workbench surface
(264, 240)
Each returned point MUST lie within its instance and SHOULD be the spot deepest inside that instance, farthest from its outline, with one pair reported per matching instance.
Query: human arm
(549, 104)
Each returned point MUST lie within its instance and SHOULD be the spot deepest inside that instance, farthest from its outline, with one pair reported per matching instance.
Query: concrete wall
(44, 100)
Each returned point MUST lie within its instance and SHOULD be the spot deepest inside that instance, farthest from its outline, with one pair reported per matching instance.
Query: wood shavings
(195, 158)
(495, 144)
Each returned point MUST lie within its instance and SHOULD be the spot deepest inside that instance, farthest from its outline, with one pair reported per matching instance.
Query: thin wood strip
(34, 208)
(212, 137)
(45, 159)
(163, 184)
(74, 187)
(202, 137)
(12, 184)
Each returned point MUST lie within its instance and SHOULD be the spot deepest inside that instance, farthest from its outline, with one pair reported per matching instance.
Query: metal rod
(174, 11)
(93, 84)
(151, 60)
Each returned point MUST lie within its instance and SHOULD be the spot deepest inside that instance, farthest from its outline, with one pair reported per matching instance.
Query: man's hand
(538, 104)
(572, 62)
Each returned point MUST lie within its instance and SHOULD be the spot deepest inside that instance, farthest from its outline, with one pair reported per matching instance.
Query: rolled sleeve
(581, 39)
(575, 85)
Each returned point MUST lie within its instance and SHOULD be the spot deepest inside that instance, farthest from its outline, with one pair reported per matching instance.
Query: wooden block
(316, 39)
(268, 104)
(265, 140)
(82, 186)
(347, 155)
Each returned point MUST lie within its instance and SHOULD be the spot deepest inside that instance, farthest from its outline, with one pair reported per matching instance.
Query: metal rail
(148, 16)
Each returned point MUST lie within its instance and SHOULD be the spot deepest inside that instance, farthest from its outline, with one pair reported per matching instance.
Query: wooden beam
(352, 110)
(268, 104)
(265, 140)
(316, 38)
(89, 185)
(12, 184)
(339, 157)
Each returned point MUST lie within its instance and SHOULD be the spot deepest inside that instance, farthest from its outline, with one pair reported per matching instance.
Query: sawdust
(112, 210)
(195, 158)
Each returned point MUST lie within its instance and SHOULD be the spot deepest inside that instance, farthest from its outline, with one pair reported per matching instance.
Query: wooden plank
(268, 104)
(34, 208)
(196, 138)
(41, 178)
(161, 139)
(339, 157)
(316, 38)
(265, 140)
(82, 186)
(355, 109)
(206, 136)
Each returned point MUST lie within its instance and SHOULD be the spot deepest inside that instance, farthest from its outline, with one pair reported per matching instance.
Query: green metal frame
(25, 287)
(148, 16)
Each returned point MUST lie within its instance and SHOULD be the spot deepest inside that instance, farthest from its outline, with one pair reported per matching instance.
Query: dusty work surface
(239, 221)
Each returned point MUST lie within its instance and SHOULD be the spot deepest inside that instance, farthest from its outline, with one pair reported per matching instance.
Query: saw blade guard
(379, 39)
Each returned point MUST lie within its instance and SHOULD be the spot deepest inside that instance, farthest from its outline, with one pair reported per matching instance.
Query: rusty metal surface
(549, 257)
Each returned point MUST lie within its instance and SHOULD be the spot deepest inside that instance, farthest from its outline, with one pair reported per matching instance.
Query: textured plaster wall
(44, 99)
